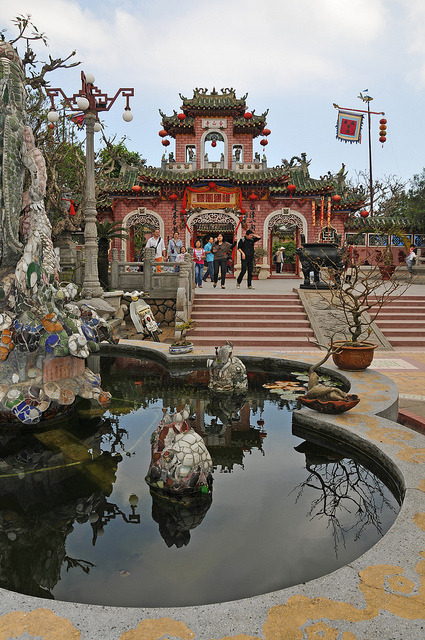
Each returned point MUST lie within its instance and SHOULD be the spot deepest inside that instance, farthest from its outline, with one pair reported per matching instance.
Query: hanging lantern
(173, 197)
(336, 198)
(253, 197)
(162, 133)
(243, 211)
(364, 213)
(183, 212)
(382, 121)
(383, 127)
(265, 132)
(213, 143)
(382, 139)
(291, 188)
(247, 115)
(181, 116)
(264, 142)
(136, 188)
(212, 185)
(165, 143)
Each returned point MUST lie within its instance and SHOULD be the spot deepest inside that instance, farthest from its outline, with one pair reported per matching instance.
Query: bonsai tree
(355, 305)
(181, 329)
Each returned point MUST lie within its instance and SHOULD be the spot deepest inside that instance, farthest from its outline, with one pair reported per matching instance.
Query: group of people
(215, 255)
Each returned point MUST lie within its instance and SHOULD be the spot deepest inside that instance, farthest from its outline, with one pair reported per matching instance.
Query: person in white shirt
(157, 243)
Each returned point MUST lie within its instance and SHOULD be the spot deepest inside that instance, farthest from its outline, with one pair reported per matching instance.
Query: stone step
(411, 317)
(249, 320)
(228, 331)
(230, 306)
(413, 332)
(402, 341)
(255, 342)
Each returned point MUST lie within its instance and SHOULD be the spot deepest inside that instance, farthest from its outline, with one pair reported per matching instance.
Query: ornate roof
(214, 104)
(204, 102)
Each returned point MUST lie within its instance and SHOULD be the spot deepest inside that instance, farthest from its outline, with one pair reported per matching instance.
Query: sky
(293, 57)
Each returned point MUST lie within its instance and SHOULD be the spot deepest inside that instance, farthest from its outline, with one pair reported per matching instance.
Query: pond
(79, 523)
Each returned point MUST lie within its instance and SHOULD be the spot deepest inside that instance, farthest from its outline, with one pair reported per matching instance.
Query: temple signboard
(212, 197)
(214, 123)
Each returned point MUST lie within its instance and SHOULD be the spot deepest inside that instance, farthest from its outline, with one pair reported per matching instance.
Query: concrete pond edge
(380, 594)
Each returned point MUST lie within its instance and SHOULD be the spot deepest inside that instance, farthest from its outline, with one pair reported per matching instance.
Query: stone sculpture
(227, 372)
(180, 462)
(44, 337)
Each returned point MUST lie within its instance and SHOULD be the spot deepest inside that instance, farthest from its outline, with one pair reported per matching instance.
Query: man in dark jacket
(246, 249)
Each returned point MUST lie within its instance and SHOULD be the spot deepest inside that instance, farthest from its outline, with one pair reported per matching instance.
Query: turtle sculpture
(180, 462)
(227, 372)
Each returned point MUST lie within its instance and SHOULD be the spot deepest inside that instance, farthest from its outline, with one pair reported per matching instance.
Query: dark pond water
(78, 522)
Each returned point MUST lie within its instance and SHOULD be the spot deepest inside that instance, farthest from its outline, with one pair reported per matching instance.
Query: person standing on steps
(221, 250)
(209, 260)
(246, 249)
(198, 257)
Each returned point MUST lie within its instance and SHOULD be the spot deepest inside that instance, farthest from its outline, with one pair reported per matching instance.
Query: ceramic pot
(330, 406)
(180, 348)
(353, 358)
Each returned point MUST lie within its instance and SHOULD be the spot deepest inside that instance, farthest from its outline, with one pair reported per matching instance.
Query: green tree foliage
(414, 203)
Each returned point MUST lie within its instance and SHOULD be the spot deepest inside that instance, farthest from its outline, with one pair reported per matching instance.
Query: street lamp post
(92, 101)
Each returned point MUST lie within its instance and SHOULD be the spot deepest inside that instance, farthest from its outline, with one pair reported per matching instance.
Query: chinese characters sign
(214, 123)
(215, 199)
(349, 126)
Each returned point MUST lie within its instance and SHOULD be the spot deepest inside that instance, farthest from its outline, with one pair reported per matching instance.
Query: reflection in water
(78, 521)
(342, 486)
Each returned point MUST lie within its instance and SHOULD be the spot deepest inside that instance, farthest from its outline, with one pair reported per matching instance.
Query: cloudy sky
(293, 57)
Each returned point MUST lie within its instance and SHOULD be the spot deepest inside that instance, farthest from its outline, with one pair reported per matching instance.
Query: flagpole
(370, 161)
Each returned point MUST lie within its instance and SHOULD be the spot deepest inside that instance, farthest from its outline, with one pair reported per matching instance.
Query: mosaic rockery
(44, 336)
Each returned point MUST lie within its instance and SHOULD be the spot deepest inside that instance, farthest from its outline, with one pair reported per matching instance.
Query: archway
(208, 223)
(284, 227)
(218, 136)
(139, 224)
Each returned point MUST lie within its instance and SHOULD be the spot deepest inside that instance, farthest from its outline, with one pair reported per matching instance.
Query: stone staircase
(250, 320)
(403, 322)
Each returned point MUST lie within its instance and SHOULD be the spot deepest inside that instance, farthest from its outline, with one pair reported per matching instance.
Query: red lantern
(336, 198)
(253, 197)
(247, 115)
(265, 132)
(382, 139)
(162, 133)
(136, 188)
(382, 121)
(364, 214)
(212, 185)
(243, 211)
(291, 188)
(213, 143)
(183, 212)
(174, 197)
(264, 142)
(165, 143)
(181, 116)
(383, 127)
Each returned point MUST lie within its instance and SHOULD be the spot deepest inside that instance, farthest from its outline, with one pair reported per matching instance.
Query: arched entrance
(284, 228)
(204, 224)
(140, 225)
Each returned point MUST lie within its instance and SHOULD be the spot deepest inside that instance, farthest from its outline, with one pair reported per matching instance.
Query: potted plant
(355, 306)
(181, 344)
(259, 254)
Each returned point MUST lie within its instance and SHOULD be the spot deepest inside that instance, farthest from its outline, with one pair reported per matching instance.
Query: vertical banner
(313, 212)
(329, 213)
(322, 208)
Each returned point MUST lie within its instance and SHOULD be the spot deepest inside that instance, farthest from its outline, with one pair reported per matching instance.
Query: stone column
(91, 275)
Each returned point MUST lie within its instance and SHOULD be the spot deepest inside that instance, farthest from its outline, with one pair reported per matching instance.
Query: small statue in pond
(180, 462)
(227, 372)
(321, 391)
